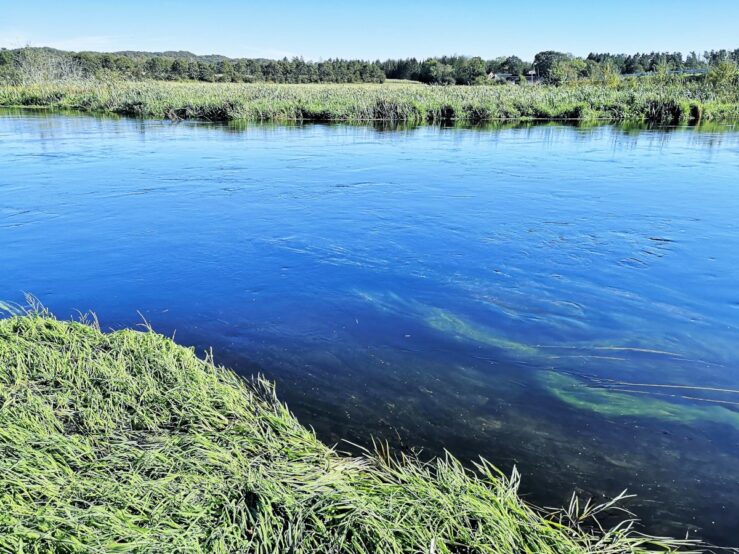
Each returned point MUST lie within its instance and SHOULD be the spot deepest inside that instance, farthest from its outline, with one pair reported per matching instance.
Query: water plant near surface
(633, 403)
(127, 442)
(637, 101)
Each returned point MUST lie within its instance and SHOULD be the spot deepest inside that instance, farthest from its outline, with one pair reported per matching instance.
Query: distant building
(502, 77)
(531, 77)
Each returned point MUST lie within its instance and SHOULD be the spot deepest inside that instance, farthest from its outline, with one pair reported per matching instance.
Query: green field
(127, 442)
(649, 100)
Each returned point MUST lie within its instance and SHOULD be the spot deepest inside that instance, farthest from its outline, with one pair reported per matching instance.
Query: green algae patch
(609, 403)
(127, 442)
(450, 324)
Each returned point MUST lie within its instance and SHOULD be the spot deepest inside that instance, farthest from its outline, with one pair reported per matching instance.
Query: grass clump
(127, 442)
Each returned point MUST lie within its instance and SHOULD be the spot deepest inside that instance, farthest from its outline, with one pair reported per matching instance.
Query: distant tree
(470, 71)
(193, 70)
(567, 71)
(409, 69)
(616, 61)
(604, 73)
(179, 69)
(434, 71)
(715, 56)
(272, 71)
(723, 73)
(157, 68)
(513, 65)
(692, 61)
(544, 62)
(326, 72)
(125, 66)
(225, 71)
(206, 72)
(37, 65)
(89, 62)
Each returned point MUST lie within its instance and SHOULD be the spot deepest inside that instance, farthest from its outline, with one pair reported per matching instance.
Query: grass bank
(127, 442)
(680, 102)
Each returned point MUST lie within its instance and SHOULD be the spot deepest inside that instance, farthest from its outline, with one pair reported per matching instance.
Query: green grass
(646, 100)
(127, 442)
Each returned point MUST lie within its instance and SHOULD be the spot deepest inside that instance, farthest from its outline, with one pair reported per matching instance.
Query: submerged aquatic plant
(613, 403)
(127, 442)
(449, 323)
(683, 403)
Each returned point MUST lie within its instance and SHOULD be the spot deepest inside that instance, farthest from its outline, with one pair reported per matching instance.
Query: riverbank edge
(126, 441)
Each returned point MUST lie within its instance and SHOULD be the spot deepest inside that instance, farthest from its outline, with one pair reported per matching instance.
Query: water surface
(557, 298)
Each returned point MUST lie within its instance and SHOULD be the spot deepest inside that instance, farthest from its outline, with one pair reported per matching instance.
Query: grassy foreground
(647, 100)
(127, 442)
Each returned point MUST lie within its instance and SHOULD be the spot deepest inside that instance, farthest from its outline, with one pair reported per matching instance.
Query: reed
(127, 442)
(638, 100)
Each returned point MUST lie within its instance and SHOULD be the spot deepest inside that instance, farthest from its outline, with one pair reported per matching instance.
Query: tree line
(50, 64)
(551, 66)
(29, 64)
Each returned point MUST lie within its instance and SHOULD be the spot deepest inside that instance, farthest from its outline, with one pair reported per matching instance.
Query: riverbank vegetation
(126, 442)
(668, 102)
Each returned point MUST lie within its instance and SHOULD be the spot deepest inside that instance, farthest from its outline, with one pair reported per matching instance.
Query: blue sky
(369, 30)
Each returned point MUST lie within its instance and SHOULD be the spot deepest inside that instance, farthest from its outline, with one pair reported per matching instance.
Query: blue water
(561, 299)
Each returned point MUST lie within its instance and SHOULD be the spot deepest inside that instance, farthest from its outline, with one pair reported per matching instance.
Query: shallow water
(559, 298)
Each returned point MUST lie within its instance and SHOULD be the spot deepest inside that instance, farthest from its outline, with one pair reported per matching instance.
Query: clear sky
(372, 29)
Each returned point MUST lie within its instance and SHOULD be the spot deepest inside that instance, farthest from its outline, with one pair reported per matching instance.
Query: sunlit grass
(638, 101)
(127, 442)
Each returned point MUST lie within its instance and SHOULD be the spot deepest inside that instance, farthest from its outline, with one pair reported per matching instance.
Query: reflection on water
(558, 297)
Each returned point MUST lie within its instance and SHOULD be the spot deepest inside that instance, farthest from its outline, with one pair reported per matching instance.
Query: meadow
(671, 101)
(127, 442)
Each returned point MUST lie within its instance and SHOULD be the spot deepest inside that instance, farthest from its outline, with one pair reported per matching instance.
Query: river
(559, 298)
